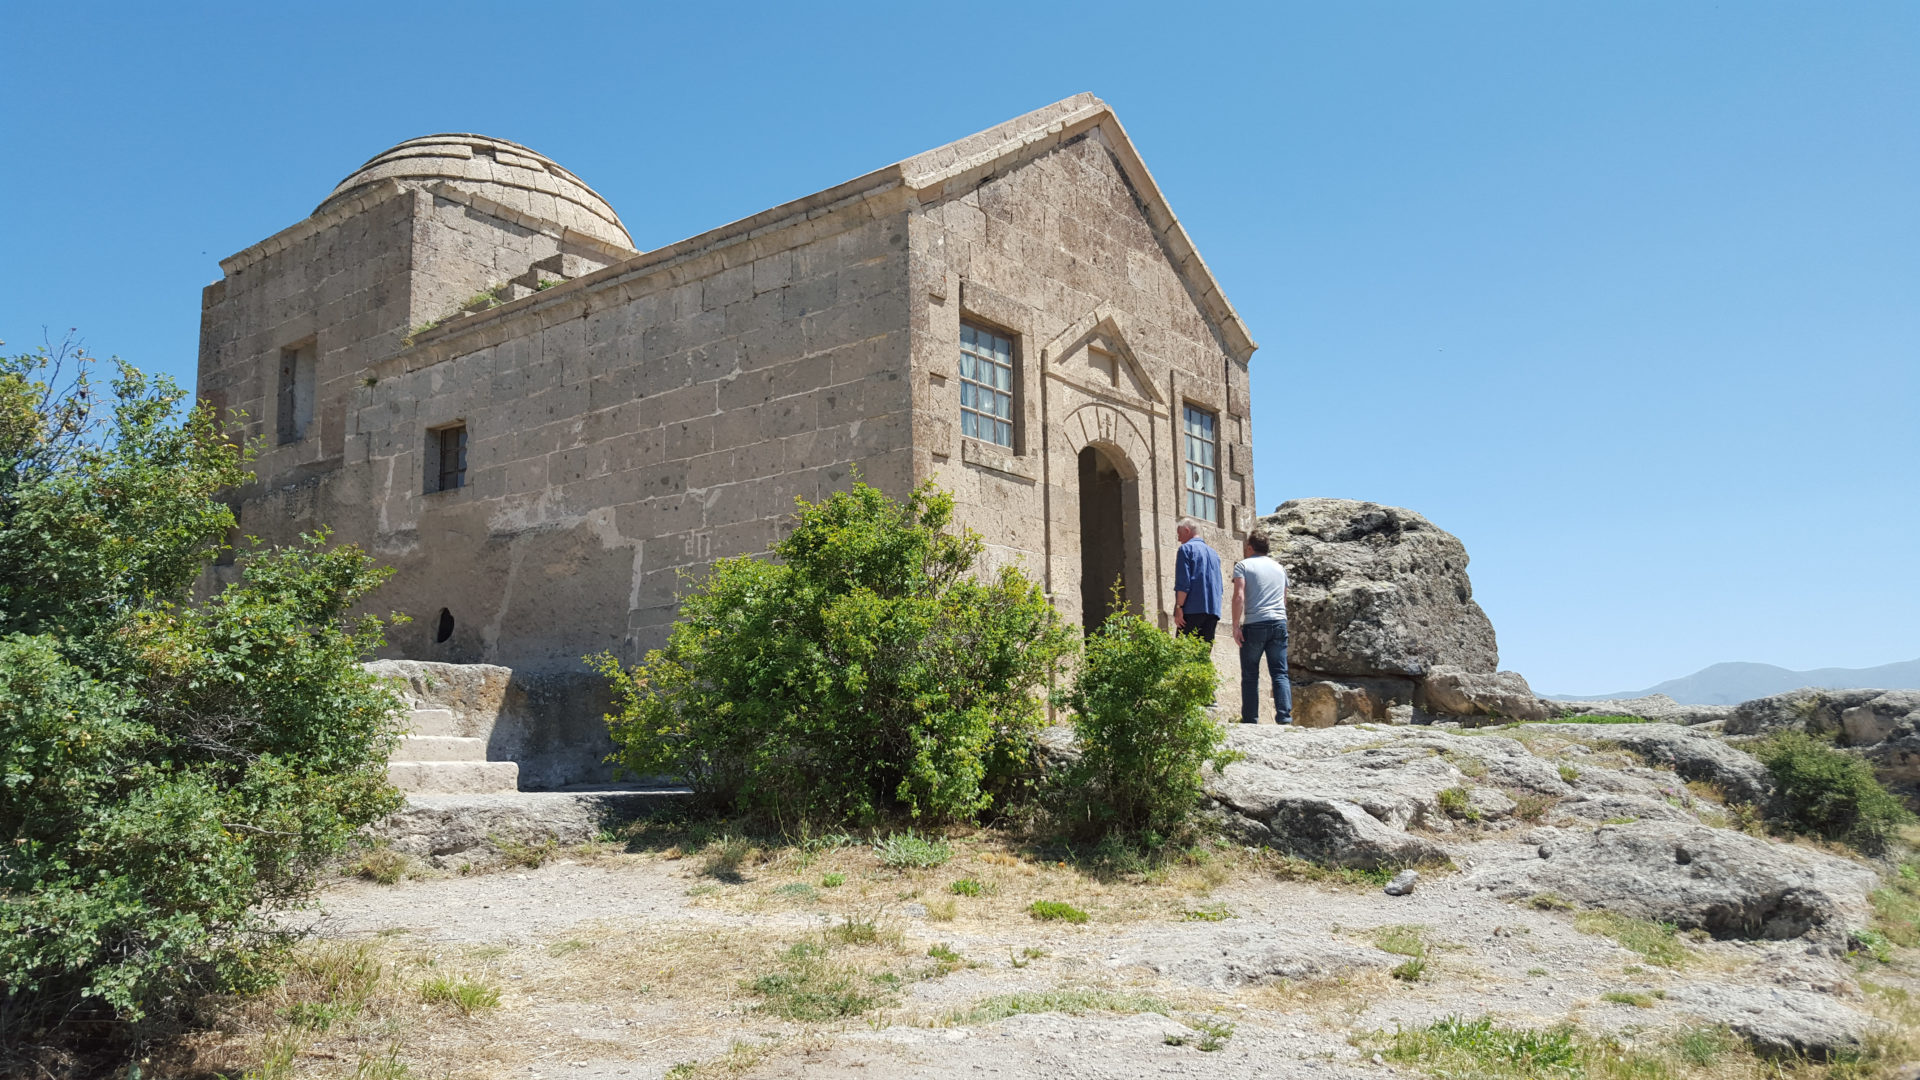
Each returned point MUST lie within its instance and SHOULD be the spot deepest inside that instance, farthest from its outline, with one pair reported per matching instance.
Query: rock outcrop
(1808, 709)
(1695, 755)
(1450, 691)
(1377, 598)
(1652, 707)
(1727, 883)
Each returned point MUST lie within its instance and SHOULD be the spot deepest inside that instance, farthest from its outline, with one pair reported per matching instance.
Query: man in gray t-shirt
(1260, 629)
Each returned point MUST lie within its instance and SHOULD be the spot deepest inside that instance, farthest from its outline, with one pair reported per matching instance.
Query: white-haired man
(1196, 583)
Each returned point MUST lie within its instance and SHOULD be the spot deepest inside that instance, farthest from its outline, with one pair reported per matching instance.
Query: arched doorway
(1107, 548)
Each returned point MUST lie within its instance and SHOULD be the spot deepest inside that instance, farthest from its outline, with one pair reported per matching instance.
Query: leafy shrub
(172, 770)
(865, 671)
(966, 887)
(1830, 793)
(1056, 911)
(1410, 970)
(911, 851)
(832, 879)
(1139, 707)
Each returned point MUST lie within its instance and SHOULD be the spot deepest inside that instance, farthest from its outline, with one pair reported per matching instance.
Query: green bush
(1139, 706)
(171, 771)
(864, 672)
(1826, 792)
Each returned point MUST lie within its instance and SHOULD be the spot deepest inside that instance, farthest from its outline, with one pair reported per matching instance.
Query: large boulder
(1375, 591)
(1727, 883)
(1452, 691)
(1808, 709)
(1777, 1022)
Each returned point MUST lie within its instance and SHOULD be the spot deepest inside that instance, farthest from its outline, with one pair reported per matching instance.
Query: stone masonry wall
(630, 429)
(1059, 253)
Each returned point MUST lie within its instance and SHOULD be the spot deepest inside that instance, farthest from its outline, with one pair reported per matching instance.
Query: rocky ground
(1583, 875)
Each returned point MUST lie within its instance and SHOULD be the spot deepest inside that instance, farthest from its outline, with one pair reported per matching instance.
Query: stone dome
(505, 172)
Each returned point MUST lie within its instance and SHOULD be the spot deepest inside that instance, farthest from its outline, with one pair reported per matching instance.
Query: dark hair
(1258, 542)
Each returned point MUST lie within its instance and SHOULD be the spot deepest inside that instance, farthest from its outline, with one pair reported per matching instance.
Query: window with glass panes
(986, 385)
(1203, 465)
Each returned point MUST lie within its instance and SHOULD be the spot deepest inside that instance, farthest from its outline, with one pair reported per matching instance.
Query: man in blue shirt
(1196, 583)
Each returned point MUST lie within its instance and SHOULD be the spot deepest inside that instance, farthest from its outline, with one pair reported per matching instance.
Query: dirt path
(631, 965)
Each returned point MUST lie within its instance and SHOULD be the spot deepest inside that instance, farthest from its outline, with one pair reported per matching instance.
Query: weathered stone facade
(629, 417)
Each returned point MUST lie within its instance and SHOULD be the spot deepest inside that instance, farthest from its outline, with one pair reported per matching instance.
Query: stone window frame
(434, 473)
(1187, 463)
(1011, 391)
(295, 392)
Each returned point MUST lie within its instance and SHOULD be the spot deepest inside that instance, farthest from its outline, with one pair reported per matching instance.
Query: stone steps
(434, 758)
(454, 777)
(439, 748)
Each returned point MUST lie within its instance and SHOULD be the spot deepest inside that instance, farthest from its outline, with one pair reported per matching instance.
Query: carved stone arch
(1115, 431)
(1113, 500)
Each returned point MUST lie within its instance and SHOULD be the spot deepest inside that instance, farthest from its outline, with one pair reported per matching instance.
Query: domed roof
(505, 172)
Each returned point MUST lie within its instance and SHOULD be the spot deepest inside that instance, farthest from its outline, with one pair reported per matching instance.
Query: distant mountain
(1731, 684)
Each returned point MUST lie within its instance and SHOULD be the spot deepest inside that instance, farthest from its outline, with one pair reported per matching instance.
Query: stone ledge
(433, 826)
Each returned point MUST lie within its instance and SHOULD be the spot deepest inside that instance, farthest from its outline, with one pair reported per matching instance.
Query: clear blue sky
(1626, 295)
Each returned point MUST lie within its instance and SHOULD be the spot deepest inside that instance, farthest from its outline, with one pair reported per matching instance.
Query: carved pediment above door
(1094, 353)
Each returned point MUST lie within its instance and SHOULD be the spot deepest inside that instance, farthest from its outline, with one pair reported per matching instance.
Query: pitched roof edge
(940, 174)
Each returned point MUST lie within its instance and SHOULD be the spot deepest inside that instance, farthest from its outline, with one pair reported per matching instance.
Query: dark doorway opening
(444, 628)
(1103, 541)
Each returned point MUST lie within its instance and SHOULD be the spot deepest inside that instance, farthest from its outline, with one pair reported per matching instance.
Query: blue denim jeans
(1268, 639)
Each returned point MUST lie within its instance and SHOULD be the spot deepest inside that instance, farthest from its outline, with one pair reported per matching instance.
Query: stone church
(461, 362)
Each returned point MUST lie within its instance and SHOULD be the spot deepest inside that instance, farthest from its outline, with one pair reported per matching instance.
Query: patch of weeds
(911, 851)
(407, 341)
(852, 931)
(1598, 718)
(832, 879)
(1467, 764)
(1569, 773)
(1535, 973)
(1703, 1047)
(1896, 906)
(943, 954)
(1401, 940)
(812, 987)
(1213, 1034)
(1635, 998)
(1547, 901)
(1457, 802)
(1409, 971)
(1056, 911)
(1528, 806)
(1207, 913)
(943, 910)
(739, 1059)
(466, 994)
(387, 1066)
(1294, 868)
(1073, 1002)
(516, 852)
(798, 890)
(966, 887)
(1872, 944)
(544, 284)
(1027, 956)
(1623, 820)
(1657, 941)
(724, 857)
(1457, 1047)
(382, 865)
(568, 947)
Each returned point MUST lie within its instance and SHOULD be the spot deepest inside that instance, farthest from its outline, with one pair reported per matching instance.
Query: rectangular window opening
(447, 458)
(295, 409)
(986, 385)
(1203, 464)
